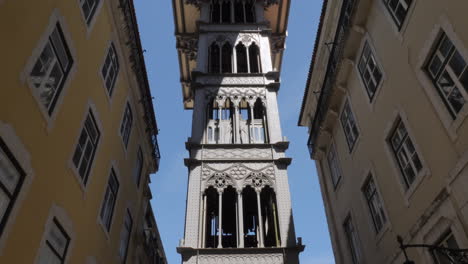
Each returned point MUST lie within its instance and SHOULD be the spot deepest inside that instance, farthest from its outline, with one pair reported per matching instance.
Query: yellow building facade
(386, 107)
(78, 136)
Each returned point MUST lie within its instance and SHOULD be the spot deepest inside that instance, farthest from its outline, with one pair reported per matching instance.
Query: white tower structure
(238, 201)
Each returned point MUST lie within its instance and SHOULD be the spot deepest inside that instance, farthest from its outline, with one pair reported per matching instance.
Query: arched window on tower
(212, 218)
(215, 11)
(226, 12)
(258, 124)
(239, 11)
(250, 213)
(249, 12)
(254, 58)
(241, 55)
(226, 60)
(270, 217)
(214, 58)
(212, 130)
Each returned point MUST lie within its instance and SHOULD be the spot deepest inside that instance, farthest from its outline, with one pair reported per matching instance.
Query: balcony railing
(333, 65)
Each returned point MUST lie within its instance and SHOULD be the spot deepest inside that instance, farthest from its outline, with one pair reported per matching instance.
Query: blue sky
(169, 185)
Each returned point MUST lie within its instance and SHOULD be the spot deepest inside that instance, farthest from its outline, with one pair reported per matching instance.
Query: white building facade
(238, 200)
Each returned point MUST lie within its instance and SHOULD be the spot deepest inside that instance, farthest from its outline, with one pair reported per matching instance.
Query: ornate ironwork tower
(238, 200)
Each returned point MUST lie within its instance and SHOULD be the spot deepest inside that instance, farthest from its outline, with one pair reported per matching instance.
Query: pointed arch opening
(215, 11)
(258, 124)
(229, 217)
(226, 60)
(251, 222)
(212, 218)
(214, 58)
(249, 11)
(254, 58)
(270, 217)
(241, 56)
(226, 12)
(239, 12)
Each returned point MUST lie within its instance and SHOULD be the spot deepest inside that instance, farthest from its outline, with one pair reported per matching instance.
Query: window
(51, 69)
(334, 165)
(448, 71)
(89, 8)
(243, 11)
(242, 64)
(398, 10)
(441, 257)
(126, 127)
(86, 147)
(11, 180)
(110, 69)
(352, 239)
(56, 245)
(138, 167)
(369, 71)
(405, 154)
(110, 198)
(349, 126)
(125, 236)
(376, 207)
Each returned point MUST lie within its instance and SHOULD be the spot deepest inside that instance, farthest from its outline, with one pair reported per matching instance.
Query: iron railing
(334, 62)
(449, 255)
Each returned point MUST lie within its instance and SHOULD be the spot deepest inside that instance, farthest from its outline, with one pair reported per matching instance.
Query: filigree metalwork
(451, 255)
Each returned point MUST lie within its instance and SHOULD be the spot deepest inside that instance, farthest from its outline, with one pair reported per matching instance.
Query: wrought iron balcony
(334, 61)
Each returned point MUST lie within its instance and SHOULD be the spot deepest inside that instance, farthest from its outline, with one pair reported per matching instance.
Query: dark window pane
(456, 100)
(445, 46)
(464, 80)
(457, 63)
(435, 66)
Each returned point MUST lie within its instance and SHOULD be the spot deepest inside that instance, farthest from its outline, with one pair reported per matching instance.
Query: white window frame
(334, 166)
(400, 114)
(354, 250)
(9, 192)
(449, 123)
(401, 3)
(125, 132)
(61, 216)
(84, 179)
(88, 18)
(376, 193)
(351, 145)
(367, 43)
(125, 238)
(107, 226)
(113, 64)
(55, 18)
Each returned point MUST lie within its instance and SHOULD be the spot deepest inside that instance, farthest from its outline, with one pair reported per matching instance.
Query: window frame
(92, 14)
(138, 170)
(13, 196)
(354, 250)
(111, 48)
(368, 201)
(51, 247)
(442, 243)
(83, 179)
(108, 224)
(351, 145)
(48, 43)
(129, 237)
(125, 132)
(367, 45)
(336, 181)
(392, 13)
(406, 184)
(445, 67)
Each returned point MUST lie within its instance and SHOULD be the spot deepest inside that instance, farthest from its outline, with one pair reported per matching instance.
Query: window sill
(425, 172)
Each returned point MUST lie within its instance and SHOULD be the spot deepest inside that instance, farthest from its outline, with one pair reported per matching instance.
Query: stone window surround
(111, 43)
(368, 173)
(126, 147)
(444, 218)
(65, 221)
(89, 26)
(107, 233)
(347, 98)
(399, 32)
(345, 216)
(89, 107)
(54, 18)
(23, 157)
(337, 157)
(368, 39)
(450, 125)
(400, 114)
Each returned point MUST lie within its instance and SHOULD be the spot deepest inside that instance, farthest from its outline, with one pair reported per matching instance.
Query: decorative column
(203, 227)
(220, 222)
(236, 123)
(260, 219)
(240, 229)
